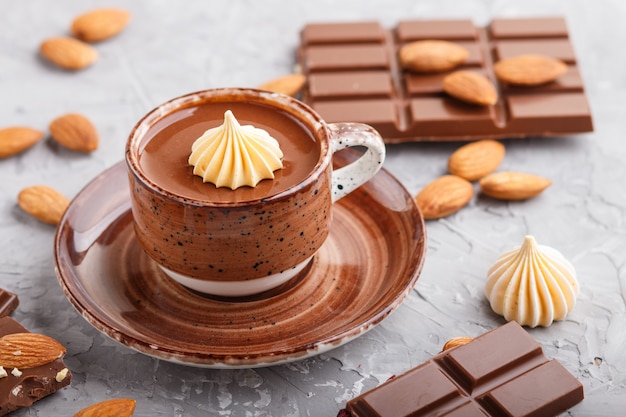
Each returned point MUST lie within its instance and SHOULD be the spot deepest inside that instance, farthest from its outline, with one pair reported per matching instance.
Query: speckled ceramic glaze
(235, 248)
(369, 263)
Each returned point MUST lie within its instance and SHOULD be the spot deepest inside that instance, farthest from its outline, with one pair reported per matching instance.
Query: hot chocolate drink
(167, 145)
(238, 239)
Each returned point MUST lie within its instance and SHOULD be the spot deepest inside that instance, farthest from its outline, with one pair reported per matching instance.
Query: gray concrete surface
(174, 48)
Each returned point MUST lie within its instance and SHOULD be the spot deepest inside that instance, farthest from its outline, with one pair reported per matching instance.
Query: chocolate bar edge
(8, 302)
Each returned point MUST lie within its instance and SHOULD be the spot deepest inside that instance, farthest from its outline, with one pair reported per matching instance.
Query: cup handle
(348, 178)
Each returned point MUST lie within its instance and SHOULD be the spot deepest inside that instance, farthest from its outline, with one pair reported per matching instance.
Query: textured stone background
(172, 49)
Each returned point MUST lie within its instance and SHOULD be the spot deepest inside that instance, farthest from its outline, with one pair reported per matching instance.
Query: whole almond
(456, 341)
(28, 350)
(513, 185)
(470, 87)
(68, 53)
(74, 131)
(444, 196)
(99, 24)
(16, 139)
(431, 55)
(529, 70)
(117, 407)
(43, 203)
(289, 84)
(477, 159)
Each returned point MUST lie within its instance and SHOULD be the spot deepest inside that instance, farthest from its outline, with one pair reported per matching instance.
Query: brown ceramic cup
(240, 242)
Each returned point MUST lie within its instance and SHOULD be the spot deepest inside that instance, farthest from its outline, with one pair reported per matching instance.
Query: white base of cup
(236, 288)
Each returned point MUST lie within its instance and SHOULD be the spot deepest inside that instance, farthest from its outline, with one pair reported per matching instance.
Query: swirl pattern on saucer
(532, 284)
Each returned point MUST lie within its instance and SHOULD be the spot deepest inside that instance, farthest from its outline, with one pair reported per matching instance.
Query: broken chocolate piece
(8, 302)
(22, 387)
(504, 372)
(354, 75)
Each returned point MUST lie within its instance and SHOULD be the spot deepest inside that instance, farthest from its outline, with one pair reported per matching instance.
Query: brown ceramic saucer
(365, 269)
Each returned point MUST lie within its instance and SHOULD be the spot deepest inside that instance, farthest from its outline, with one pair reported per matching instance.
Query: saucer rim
(234, 361)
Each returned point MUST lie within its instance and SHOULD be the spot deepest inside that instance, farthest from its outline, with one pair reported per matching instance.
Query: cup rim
(304, 113)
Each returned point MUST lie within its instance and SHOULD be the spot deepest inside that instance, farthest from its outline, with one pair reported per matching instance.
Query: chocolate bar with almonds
(354, 75)
(21, 387)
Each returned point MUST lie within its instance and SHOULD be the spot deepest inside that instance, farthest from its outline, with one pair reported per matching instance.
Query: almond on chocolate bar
(28, 350)
(432, 55)
(470, 87)
(529, 70)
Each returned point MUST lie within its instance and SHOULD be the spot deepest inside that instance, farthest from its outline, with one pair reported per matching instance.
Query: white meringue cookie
(532, 284)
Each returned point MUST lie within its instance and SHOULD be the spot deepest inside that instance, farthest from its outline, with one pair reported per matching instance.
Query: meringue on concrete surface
(532, 284)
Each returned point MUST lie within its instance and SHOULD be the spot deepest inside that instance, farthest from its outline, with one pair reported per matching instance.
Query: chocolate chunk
(354, 76)
(8, 302)
(21, 388)
(504, 372)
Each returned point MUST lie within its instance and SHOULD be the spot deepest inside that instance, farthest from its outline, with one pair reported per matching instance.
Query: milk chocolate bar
(353, 75)
(503, 372)
(22, 387)
(8, 302)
